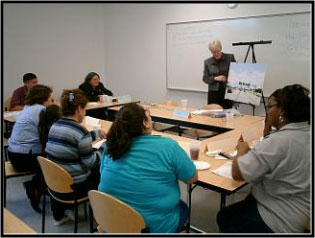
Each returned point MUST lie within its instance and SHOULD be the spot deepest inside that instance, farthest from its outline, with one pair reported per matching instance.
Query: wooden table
(98, 105)
(164, 114)
(207, 179)
(105, 125)
(13, 225)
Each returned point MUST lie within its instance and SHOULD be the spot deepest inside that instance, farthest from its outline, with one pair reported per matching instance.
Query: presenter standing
(215, 74)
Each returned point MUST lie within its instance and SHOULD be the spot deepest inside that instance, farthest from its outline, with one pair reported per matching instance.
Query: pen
(226, 155)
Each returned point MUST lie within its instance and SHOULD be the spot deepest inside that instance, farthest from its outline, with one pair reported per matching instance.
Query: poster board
(245, 83)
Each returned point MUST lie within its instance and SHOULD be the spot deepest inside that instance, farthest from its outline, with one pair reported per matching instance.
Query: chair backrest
(56, 178)
(113, 215)
(213, 106)
(169, 103)
(7, 104)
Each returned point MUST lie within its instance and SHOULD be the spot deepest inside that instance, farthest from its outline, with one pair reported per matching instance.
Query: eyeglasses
(272, 105)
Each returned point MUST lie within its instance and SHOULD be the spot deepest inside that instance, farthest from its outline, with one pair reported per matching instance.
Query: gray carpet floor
(205, 206)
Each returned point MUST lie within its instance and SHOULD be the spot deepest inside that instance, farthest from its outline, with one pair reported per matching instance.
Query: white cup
(183, 103)
(109, 98)
(102, 98)
(194, 148)
(229, 117)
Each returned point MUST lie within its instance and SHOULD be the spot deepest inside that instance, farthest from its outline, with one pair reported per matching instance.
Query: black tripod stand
(251, 47)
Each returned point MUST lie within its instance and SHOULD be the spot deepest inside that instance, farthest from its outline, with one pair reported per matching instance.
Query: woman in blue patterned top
(143, 170)
(70, 146)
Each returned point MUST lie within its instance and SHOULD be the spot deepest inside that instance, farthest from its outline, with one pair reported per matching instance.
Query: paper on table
(224, 170)
(205, 112)
(226, 145)
(10, 114)
(91, 121)
(93, 103)
(98, 144)
(249, 135)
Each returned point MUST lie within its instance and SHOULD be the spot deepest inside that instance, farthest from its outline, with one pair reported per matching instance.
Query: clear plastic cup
(229, 117)
(102, 98)
(183, 103)
(194, 149)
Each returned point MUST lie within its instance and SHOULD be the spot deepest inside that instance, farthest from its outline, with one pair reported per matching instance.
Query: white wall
(125, 43)
(60, 43)
(135, 50)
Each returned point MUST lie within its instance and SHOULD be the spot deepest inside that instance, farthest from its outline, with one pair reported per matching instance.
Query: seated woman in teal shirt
(143, 170)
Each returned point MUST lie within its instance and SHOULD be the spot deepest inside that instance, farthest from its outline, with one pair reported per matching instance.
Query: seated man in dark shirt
(17, 100)
(92, 87)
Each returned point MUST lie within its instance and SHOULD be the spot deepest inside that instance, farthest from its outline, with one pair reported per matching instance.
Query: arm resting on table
(193, 179)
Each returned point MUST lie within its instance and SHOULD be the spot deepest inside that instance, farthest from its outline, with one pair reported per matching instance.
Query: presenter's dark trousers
(242, 217)
(217, 97)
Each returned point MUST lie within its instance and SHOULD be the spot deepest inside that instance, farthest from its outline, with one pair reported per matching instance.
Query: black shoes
(33, 194)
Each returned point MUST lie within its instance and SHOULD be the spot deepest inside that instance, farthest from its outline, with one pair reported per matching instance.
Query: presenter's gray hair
(215, 45)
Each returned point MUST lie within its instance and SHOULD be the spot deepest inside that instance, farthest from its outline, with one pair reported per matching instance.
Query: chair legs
(43, 212)
(91, 219)
(75, 214)
(85, 210)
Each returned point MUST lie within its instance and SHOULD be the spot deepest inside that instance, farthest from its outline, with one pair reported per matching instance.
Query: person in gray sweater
(278, 168)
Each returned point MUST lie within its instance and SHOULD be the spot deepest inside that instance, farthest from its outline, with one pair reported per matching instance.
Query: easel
(251, 46)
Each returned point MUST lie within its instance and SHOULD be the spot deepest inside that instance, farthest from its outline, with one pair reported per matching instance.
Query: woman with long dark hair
(46, 119)
(143, 170)
(93, 87)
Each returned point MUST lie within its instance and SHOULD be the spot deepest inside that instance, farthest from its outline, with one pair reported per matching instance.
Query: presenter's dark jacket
(213, 68)
(92, 94)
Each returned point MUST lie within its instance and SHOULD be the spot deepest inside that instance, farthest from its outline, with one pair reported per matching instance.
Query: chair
(10, 171)
(59, 180)
(158, 126)
(115, 216)
(197, 133)
(7, 104)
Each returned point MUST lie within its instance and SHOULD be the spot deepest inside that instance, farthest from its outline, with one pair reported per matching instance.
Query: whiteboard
(288, 58)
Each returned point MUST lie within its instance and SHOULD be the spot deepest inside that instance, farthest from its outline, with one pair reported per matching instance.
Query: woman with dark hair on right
(143, 170)
(278, 169)
(92, 87)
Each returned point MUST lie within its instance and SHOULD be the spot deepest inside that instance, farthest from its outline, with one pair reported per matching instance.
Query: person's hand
(241, 139)
(102, 134)
(242, 148)
(220, 78)
(267, 128)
